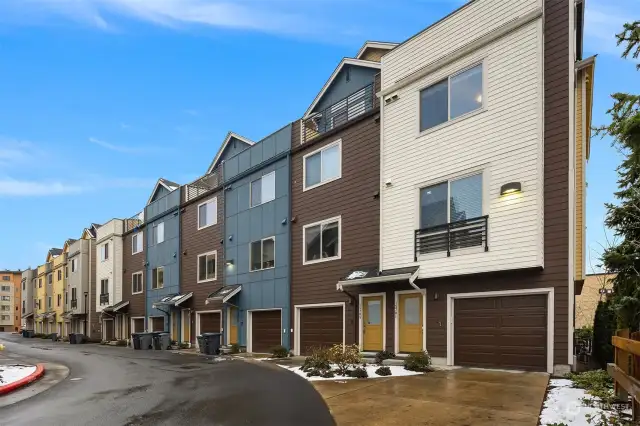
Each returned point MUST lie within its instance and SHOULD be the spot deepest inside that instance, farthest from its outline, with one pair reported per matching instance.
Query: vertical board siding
(580, 180)
(132, 263)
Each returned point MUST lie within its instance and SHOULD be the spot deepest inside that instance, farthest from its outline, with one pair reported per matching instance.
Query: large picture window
(262, 254)
(263, 190)
(451, 98)
(323, 166)
(322, 240)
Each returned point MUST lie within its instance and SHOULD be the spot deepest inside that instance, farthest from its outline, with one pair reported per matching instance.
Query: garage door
(157, 323)
(501, 332)
(265, 330)
(320, 327)
(210, 322)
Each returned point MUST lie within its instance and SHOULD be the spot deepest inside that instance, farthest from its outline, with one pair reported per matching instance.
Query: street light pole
(85, 312)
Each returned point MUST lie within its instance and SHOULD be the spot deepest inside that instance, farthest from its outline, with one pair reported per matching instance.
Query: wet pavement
(460, 397)
(119, 386)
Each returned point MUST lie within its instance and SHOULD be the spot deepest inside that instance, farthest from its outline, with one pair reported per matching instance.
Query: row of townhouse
(430, 198)
(10, 296)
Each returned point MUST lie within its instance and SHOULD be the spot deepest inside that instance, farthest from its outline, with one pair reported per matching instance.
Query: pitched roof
(227, 139)
(167, 184)
(374, 45)
(55, 251)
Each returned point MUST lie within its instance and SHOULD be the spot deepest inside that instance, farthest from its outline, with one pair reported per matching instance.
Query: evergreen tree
(623, 218)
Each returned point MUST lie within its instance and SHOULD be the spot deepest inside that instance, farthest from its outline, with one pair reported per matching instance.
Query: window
(59, 300)
(24, 304)
(104, 286)
(66, 297)
(49, 302)
(6, 317)
(104, 252)
(66, 272)
(49, 278)
(158, 233)
(321, 240)
(136, 283)
(263, 190)
(6, 278)
(74, 265)
(5, 307)
(207, 266)
(323, 166)
(158, 278)
(39, 282)
(451, 201)
(39, 303)
(136, 243)
(74, 294)
(262, 254)
(208, 213)
(5, 288)
(59, 274)
(24, 285)
(5, 298)
(451, 98)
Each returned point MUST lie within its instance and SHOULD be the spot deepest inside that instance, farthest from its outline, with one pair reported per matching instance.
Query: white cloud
(26, 188)
(123, 148)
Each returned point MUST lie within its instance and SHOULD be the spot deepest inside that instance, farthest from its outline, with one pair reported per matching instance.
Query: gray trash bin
(146, 341)
(211, 343)
(161, 340)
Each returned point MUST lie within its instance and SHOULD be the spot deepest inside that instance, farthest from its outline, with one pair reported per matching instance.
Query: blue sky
(101, 97)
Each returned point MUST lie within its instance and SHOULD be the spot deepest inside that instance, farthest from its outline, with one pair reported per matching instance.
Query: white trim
(375, 45)
(135, 237)
(215, 277)
(132, 329)
(141, 273)
(261, 254)
(226, 141)
(361, 297)
(396, 325)
(198, 313)
(250, 326)
(262, 201)
(296, 320)
(214, 201)
(337, 143)
(345, 61)
(550, 317)
(304, 241)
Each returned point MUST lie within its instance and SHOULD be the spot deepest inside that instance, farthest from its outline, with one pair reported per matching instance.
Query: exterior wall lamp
(229, 262)
(510, 188)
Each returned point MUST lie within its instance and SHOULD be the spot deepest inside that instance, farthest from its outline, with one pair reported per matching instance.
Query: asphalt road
(120, 386)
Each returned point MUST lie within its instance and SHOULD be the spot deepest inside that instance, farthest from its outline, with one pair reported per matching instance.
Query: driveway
(455, 397)
(119, 386)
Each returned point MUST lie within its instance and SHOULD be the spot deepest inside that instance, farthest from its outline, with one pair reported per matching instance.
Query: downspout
(413, 278)
(354, 302)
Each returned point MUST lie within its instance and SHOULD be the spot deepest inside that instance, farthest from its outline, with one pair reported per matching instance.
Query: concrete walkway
(455, 397)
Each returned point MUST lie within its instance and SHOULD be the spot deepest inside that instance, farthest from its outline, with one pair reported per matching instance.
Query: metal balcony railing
(201, 185)
(451, 236)
(104, 299)
(74, 303)
(339, 113)
(134, 221)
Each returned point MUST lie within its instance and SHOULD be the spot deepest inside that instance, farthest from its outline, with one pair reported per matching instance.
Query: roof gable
(371, 45)
(227, 140)
(53, 253)
(163, 186)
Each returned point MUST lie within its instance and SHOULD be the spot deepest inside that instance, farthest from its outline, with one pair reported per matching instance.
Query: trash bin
(54, 337)
(79, 338)
(135, 341)
(24, 333)
(72, 338)
(31, 334)
(201, 345)
(211, 343)
(161, 340)
(142, 341)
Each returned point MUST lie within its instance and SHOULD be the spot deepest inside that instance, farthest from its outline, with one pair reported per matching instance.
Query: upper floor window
(207, 266)
(451, 98)
(49, 278)
(208, 213)
(39, 282)
(59, 274)
(136, 243)
(5, 288)
(451, 201)
(263, 190)
(6, 278)
(158, 233)
(262, 254)
(6, 298)
(74, 294)
(158, 278)
(104, 286)
(74, 265)
(136, 283)
(59, 299)
(66, 272)
(321, 240)
(49, 302)
(24, 285)
(323, 165)
(104, 252)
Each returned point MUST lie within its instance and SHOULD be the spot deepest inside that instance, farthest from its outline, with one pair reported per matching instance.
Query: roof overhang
(118, 306)
(375, 45)
(25, 316)
(224, 294)
(160, 183)
(227, 139)
(373, 276)
(174, 299)
(345, 61)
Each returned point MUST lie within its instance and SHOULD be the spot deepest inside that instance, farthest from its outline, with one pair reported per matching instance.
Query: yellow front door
(174, 325)
(372, 323)
(410, 313)
(233, 325)
(186, 325)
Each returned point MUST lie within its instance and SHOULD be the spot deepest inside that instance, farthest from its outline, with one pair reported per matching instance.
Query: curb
(23, 382)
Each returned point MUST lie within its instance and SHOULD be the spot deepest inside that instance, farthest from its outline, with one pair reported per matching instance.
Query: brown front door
(501, 332)
(265, 330)
(320, 327)
(157, 323)
(138, 325)
(108, 330)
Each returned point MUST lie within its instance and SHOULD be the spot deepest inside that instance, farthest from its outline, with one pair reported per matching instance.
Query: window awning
(174, 299)
(117, 306)
(372, 275)
(225, 293)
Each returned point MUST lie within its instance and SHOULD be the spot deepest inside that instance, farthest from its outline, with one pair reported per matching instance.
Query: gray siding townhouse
(28, 293)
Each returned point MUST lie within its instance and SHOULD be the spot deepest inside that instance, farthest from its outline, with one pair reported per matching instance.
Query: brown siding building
(133, 280)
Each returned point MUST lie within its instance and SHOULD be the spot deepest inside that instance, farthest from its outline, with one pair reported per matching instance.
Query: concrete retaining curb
(23, 382)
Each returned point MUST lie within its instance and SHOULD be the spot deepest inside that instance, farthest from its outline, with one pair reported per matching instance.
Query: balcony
(201, 186)
(104, 299)
(339, 113)
(74, 303)
(134, 221)
(452, 236)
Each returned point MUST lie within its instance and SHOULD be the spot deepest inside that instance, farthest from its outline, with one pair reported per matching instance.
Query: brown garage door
(210, 322)
(138, 325)
(157, 323)
(501, 332)
(320, 327)
(265, 330)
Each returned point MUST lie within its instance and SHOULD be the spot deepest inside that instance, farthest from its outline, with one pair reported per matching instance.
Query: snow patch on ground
(564, 404)
(396, 371)
(13, 373)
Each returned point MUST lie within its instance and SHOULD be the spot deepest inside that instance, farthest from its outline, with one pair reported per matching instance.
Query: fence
(625, 370)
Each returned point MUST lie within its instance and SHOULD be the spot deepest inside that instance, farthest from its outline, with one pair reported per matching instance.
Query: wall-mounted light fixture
(510, 188)
(284, 221)
(229, 262)
(230, 237)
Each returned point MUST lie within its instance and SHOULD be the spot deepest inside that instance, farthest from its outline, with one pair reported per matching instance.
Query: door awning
(174, 299)
(372, 275)
(27, 315)
(225, 293)
(117, 307)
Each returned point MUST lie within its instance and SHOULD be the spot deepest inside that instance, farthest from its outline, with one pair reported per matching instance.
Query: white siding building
(109, 264)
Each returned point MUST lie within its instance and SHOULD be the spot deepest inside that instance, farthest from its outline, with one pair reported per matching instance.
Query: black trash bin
(161, 340)
(31, 334)
(135, 339)
(211, 343)
(201, 345)
(72, 338)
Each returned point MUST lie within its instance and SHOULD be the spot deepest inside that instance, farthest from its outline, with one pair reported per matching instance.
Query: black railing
(202, 185)
(104, 299)
(134, 221)
(339, 113)
(452, 236)
(74, 303)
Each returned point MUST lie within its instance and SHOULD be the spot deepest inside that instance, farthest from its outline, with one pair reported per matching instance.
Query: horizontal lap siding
(132, 263)
(353, 198)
